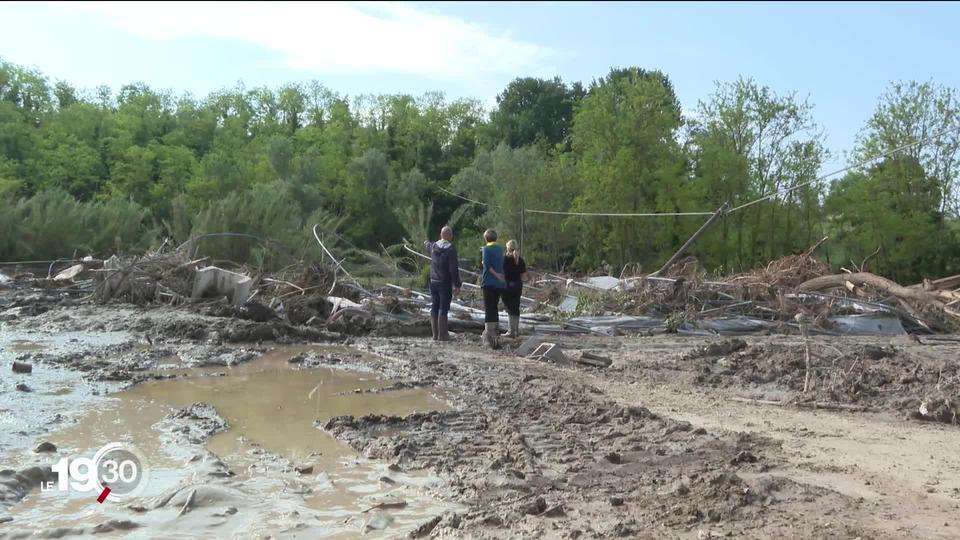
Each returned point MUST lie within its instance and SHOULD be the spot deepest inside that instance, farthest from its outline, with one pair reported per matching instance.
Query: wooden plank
(949, 282)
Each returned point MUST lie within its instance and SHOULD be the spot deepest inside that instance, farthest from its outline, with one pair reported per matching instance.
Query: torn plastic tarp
(866, 325)
(604, 283)
(733, 326)
(607, 323)
(569, 304)
(852, 325)
(854, 305)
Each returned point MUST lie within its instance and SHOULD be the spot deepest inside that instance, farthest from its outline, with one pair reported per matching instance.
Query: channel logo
(117, 472)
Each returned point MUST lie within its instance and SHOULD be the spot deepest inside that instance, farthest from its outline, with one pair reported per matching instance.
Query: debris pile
(153, 277)
(770, 299)
(794, 294)
(836, 376)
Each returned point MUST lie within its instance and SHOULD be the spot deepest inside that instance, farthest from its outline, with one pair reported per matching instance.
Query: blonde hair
(512, 250)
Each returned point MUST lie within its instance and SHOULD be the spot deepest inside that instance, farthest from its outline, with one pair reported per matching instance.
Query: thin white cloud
(329, 37)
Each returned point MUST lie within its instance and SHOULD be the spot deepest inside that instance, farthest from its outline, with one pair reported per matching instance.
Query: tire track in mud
(532, 451)
(901, 471)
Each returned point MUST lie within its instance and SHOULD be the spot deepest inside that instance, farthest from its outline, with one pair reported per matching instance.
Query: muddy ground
(679, 438)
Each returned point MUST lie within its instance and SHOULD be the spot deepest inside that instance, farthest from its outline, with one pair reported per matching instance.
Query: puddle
(269, 406)
(56, 395)
(25, 345)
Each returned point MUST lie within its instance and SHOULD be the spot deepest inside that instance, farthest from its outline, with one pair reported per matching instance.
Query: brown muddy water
(270, 407)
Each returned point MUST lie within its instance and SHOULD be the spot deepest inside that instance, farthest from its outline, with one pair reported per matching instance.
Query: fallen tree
(861, 279)
(915, 300)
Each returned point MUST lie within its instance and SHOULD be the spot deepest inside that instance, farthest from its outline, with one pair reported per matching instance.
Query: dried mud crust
(914, 385)
(531, 451)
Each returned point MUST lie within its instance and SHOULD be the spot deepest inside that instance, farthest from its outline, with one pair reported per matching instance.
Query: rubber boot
(511, 330)
(493, 340)
(442, 334)
(434, 327)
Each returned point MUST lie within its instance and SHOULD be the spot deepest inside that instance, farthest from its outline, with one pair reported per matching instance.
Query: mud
(536, 452)
(245, 462)
(680, 437)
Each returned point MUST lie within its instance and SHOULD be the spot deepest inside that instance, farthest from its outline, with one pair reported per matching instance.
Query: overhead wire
(842, 170)
(584, 214)
(766, 197)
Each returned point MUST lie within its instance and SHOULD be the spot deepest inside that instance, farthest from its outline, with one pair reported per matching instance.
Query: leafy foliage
(100, 172)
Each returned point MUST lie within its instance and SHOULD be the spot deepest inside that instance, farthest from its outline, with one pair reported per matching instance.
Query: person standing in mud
(492, 283)
(444, 281)
(515, 271)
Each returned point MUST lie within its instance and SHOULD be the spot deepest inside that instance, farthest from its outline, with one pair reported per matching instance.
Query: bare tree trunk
(866, 278)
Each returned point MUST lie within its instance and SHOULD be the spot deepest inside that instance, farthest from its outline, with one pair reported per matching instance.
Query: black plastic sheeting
(734, 326)
(868, 320)
(873, 324)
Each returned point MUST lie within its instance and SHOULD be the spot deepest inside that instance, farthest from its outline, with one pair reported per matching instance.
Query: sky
(840, 56)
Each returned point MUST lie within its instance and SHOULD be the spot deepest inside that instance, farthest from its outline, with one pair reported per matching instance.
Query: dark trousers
(511, 299)
(491, 304)
(440, 295)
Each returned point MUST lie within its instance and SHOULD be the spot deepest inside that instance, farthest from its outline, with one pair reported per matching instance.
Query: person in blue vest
(444, 281)
(492, 282)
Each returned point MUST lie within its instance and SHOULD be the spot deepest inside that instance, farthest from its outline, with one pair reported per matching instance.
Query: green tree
(509, 180)
(747, 142)
(625, 136)
(534, 111)
(889, 215)
(909, 113)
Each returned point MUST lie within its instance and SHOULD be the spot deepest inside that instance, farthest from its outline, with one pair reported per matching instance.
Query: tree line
(93, 171)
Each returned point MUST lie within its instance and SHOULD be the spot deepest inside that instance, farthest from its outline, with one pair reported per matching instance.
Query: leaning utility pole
(703, 228)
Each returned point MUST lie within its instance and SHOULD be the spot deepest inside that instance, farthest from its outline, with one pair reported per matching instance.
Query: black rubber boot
(442, 334)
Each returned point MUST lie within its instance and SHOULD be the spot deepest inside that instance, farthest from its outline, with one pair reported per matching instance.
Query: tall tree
(624, 134)
(746, 142)
(509, 180)
(534, 111)
(890, 216)
(912, 112)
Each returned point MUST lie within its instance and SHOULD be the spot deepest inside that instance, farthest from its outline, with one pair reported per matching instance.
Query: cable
(732, 210)
(605, 214)
(583, 214)
(843, 170)
(466, 198)
(338, 265)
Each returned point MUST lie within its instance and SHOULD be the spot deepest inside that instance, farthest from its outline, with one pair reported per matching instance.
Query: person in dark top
(515, 271)
(444, 281)
(492, 282)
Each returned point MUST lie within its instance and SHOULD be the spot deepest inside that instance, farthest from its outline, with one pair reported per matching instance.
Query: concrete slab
(235, 286)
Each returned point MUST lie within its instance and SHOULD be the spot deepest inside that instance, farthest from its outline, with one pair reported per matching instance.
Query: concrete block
(235, 286)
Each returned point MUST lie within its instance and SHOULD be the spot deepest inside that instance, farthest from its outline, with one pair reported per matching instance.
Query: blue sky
(840, 55)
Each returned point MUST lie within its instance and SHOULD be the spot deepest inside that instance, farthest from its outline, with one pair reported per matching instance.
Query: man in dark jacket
(444, 281)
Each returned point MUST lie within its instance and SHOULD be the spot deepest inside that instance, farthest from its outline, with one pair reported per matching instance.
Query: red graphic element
(103, 496)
